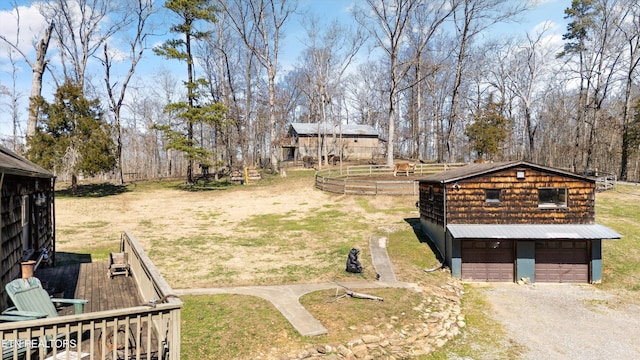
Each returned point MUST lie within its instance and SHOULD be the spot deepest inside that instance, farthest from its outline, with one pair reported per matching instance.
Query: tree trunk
(272, 121)
(38, 68)
(190, 97)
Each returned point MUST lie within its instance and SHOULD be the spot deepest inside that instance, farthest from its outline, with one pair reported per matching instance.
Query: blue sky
(542, 11)
(32, 25)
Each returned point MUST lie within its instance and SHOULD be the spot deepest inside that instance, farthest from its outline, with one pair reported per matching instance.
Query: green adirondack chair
(31, 301)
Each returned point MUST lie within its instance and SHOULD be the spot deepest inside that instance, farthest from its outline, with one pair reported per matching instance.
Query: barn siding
(519, 199)
(11, 234)
(353, 148)
(432, 208)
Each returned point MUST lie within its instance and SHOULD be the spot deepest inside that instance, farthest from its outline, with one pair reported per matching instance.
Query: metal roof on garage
(532, 232)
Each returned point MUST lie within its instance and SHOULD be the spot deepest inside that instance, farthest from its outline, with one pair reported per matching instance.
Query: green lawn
(619, 209)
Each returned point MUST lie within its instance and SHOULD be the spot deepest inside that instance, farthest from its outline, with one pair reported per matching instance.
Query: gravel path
(562, 321)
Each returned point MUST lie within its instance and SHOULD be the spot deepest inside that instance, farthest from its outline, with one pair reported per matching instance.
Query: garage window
(552, 197)
(492, 195)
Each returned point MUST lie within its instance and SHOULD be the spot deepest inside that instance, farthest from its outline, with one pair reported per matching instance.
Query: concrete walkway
(286, 298)
(380, 259)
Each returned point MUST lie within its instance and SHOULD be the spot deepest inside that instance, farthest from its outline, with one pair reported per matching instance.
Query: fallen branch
(440, 266)
(357, 295)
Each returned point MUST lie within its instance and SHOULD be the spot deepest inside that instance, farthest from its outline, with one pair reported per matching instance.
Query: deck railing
(143, 332)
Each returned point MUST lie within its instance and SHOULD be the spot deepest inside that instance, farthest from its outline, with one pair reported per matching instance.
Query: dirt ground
(247, 235)
(567, 321)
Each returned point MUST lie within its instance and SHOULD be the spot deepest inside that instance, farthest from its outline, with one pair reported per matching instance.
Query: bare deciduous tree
(82, 27)
(324, 61)
(37, 65)
(471, 18)
(630, 28)
(387, 21)
(260, 24)
(426, 22)
(141, 10)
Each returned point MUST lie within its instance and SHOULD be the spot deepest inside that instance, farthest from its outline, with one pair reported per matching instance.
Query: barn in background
(350, 141)
(27, 221)
(516, 220)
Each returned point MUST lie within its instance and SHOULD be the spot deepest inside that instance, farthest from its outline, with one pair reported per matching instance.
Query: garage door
(484, 260)
(562, 261)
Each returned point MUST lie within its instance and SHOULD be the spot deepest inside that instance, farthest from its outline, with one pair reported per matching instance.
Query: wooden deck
(90, 281)
(119, 322)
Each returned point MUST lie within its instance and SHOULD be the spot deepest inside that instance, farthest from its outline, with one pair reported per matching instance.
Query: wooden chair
(118, 264)
(30, 299)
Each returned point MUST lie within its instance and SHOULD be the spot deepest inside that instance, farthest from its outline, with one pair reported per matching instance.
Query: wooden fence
(361, 179)
(605, 181)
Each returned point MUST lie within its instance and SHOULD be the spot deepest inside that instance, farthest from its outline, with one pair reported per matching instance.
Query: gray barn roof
(328, 129)
(532, 232)
(472, 170)
(12, 163)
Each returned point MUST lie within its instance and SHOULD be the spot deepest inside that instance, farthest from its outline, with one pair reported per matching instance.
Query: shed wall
(353, 148)
(40, 221)
(466, 202)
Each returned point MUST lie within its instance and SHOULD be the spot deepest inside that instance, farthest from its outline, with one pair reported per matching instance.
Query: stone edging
(439, 319)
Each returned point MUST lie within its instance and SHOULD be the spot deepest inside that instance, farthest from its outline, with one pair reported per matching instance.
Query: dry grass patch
(276, 231)
(345, 317)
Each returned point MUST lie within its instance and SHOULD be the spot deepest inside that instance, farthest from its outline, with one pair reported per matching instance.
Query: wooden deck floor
(90, 281)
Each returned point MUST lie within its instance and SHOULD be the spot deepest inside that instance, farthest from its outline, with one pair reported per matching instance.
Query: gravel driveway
(563, 321)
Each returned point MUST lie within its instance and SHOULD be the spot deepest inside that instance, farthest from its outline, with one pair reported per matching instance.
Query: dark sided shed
(511, 220)
(27, 224)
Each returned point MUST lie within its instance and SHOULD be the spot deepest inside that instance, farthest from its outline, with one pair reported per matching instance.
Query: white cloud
(32, 25)
(115, 53)
(534, 3)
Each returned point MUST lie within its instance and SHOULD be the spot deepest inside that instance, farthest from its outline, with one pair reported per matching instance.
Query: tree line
(433, 77)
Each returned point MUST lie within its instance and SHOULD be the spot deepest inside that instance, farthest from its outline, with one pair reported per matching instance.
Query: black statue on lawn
(353, 265)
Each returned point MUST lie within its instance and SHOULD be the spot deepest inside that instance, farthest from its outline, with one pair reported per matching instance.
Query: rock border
(439, 319)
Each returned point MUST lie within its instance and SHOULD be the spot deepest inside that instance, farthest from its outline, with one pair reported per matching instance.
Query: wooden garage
(488, 260)
(514, 220)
